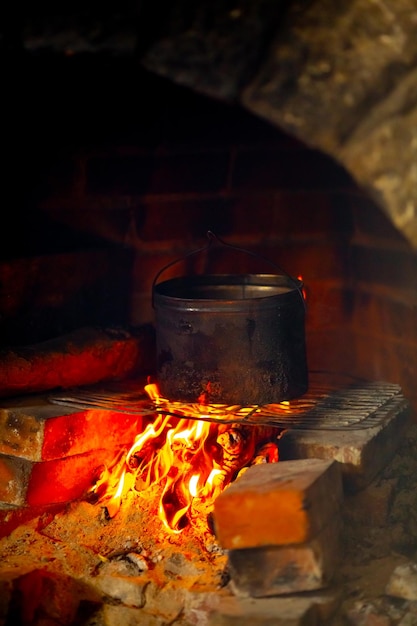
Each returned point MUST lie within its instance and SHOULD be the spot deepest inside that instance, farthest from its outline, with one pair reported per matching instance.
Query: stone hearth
(89, 569)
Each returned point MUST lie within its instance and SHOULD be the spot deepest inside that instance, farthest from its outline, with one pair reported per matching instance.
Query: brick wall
(146, 174)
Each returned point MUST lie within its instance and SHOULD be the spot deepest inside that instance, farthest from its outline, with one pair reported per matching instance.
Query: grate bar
(333, 402)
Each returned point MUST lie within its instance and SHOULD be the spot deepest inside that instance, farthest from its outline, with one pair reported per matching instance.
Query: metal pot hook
(214, 239)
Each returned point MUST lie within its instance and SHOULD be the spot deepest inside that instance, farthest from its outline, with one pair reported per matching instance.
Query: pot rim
(227, 290)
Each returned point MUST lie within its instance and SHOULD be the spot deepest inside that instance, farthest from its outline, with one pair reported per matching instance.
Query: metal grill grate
(333, 402)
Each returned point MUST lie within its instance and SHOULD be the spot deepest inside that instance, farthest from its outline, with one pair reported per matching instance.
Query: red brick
(287, 169)
(83, 432)
(25, 483)
(331, 350)
(47, 431)
(278, 504)
(167, 219)
(384, 267)
(390, 313)
(82, 357)
(66, 479)
(46, 296)
(329, 305)
(173, 173)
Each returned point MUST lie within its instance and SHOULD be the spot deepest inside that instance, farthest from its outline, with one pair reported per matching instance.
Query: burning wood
(268, 453)
(189, 461)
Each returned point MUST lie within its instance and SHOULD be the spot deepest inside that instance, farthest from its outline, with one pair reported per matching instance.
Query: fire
(188, 462)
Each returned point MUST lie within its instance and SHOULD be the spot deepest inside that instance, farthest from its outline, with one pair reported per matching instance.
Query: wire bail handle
(214, 239)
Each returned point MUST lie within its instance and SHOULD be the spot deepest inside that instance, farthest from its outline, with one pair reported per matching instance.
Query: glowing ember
(186, 460)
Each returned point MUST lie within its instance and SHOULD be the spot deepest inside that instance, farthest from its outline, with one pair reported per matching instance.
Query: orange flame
(191, 460)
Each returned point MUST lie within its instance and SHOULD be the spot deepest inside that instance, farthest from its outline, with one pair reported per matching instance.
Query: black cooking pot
(233, 339)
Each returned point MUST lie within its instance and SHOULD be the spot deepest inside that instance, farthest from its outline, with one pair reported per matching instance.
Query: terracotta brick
(25, 483)
(148, 265)
(329, 305)
(64, 480)
(288, 169)
(314, 259)
(386, 267)
(278, 504)
(169, 218)
(311, 214)
(277, 570)
(82, 357)
(66, 436)
(46, 431)
(331, 350)
(119, 175)
(391, 314)
(47, 296)
(157, 173)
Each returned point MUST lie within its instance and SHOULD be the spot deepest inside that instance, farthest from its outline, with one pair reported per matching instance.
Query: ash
(77, 567)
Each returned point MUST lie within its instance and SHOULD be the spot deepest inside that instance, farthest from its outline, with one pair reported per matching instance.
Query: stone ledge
(361, 452)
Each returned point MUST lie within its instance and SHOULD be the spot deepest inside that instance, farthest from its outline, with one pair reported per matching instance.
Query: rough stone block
(306, 610)
(361, 452)
(372, 505)
(14, 478)
(130, 591)
(403, 582)
(111, 615)
(277, 570)
(278, 504)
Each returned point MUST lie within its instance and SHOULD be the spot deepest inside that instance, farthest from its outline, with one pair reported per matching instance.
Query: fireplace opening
(131, 183)
(131, 177)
